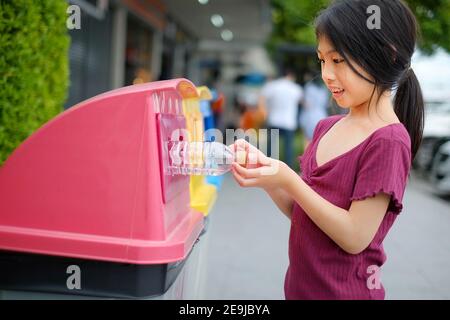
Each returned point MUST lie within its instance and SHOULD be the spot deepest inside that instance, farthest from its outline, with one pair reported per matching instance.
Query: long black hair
(383, 51)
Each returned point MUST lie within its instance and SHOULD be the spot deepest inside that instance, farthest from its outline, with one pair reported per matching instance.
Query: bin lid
(87, 184)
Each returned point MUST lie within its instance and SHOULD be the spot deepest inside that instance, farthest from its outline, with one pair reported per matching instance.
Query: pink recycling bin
(88, 192)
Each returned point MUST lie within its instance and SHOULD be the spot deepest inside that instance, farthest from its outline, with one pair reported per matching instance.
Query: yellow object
(204, 93)
(241, 157)
(203, 195)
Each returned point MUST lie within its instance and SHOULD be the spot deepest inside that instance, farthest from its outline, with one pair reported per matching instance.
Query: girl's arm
(282, 199)
(352, 229)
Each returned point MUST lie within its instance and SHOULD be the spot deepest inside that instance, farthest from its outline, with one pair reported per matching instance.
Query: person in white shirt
(280, 99)
(314, 106)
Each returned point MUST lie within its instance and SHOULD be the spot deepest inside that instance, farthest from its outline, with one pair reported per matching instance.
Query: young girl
(354, 171)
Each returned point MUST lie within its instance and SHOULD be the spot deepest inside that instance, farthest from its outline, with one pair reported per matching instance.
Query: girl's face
(348, 89)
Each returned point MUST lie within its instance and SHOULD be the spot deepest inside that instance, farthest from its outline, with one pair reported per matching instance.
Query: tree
(293, 22)
(434, 20)
(33, 67)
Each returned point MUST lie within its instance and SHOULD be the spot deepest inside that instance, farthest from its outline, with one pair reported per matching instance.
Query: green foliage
(33, 67)
(434, 19)
(293, 22)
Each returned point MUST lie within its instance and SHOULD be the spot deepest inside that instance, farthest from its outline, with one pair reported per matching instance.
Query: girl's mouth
(337, 93)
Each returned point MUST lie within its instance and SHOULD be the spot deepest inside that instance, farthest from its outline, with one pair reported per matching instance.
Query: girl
(354, 172)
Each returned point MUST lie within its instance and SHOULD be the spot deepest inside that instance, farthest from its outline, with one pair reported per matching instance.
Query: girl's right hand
(247, 155)
(258, 170)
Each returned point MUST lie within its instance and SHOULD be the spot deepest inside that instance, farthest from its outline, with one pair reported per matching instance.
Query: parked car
(440, 170)
(430, 159)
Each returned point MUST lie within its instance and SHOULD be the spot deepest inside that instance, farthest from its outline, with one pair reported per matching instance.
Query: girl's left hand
(260, 170)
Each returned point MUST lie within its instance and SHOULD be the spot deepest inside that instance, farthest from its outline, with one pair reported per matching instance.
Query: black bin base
(50, 274)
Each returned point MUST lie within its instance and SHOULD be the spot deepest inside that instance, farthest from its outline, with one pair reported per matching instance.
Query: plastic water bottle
(199, 158)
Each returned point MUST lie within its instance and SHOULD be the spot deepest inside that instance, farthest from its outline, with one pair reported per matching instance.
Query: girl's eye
(320, 61)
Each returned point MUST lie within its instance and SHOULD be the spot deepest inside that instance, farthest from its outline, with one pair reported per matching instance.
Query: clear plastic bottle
(199, 158)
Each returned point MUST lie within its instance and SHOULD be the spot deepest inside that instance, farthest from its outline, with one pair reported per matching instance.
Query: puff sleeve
(383, 167)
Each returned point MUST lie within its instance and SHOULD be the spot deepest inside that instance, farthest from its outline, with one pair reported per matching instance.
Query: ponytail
(409, 108)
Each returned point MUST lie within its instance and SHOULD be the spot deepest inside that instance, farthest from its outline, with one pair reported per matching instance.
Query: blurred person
(279, 102)
(217, 107)
(314, 106)
(142, 76)
(355, 170)
(248, 91)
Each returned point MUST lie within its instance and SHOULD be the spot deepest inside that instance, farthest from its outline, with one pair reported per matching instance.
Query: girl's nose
(328, 73)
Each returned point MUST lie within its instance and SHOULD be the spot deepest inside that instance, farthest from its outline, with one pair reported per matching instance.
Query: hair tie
(405, 73)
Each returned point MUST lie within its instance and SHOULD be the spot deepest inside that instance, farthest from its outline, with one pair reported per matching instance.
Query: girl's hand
(258, 170)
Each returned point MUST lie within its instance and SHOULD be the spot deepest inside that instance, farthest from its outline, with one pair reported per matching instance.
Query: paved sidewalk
(418, 247)
(247, 256)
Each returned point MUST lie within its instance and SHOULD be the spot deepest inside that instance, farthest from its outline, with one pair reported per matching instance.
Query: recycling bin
(207, 97)
(89, 208)
(203, 195)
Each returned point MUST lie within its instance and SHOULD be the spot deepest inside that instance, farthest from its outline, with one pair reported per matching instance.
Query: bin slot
(167, 124)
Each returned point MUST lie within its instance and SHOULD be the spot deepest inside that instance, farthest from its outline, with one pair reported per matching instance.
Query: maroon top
(318, 267)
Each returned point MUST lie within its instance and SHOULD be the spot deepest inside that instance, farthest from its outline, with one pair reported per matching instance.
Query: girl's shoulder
(331, 119)
(392, 136)
(325, 123)
(389, 144)
(394, 133)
